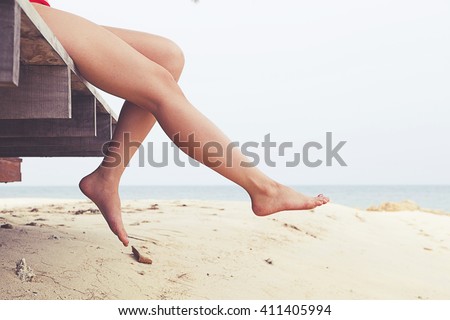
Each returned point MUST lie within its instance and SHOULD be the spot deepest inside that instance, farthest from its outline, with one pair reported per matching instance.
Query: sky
(375, 74)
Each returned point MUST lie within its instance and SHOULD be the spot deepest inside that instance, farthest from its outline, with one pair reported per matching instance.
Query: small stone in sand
(34, 210)
(291, 226)
(7, 226)
(141, 258)
(54, 237)
(32, 224)
(154, 207)
(90, 211)
(23, 271)
(269, 261)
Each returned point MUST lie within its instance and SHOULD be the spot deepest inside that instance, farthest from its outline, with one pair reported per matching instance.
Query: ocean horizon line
(4, 185)
(357, 196)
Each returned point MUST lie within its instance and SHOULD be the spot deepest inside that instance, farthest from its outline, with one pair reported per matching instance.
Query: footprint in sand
(291, 226)
(361, 219)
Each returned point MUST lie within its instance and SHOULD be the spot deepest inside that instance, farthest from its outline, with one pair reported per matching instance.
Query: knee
(159, 91)
(174, 58)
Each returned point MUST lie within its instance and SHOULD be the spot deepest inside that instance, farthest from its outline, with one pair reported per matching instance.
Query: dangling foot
(280, 198)
(104, 193)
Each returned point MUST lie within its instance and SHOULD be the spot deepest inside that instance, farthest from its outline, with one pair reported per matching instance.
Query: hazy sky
(375, 73)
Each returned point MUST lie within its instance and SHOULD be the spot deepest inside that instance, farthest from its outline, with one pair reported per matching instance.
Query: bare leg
(101, 186)
(114, 66)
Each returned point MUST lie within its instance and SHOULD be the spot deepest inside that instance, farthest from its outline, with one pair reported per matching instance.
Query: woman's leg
(102, 185)
(116, 67)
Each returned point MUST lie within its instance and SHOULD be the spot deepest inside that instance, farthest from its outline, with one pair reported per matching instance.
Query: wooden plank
(104, 126)
(84, 147)
(39, 46)
(82, 124)
(60, 146)
(34, 47)
(44, 93)
(10, 43)
(10, 170)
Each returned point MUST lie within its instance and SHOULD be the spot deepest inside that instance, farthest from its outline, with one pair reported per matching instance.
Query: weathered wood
(83, 147)
(60, 146)
(82, 124)
(35, 49)
(10, 43)
(41, 49)
(44, 93)
(10, 170)
(39, 46)
(105, 126)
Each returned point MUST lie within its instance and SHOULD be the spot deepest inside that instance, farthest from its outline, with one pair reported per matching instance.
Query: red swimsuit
(41, 2)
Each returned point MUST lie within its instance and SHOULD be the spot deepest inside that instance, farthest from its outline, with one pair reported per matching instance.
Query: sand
(220, 250)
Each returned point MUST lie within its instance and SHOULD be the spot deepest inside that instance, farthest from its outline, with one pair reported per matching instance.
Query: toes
(320, 201)
(123, 236)
(124, 239)
(317, 202)
(323, 199)
(120, 233)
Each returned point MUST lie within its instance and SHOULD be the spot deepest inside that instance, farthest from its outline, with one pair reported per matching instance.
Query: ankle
(108, 175)
(266, 188)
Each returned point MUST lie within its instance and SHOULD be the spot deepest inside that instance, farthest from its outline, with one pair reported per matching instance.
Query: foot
(280, 198)
(104, 193)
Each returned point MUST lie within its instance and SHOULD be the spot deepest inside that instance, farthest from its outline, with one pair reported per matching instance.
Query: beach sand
(220, 250)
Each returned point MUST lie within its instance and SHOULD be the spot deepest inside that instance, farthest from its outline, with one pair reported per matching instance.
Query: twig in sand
(141, 258)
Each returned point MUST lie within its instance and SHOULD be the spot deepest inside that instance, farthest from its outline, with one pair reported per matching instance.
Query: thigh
(107, 61)
(161, 50)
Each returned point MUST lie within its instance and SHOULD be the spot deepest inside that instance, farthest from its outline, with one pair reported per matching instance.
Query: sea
(357, 196)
